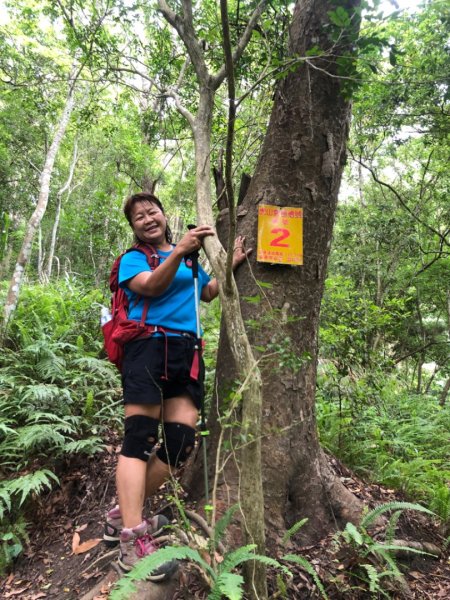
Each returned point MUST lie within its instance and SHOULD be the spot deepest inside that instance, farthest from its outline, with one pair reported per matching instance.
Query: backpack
(119, 330)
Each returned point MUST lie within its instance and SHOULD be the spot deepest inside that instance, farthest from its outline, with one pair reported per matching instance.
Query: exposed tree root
(200, 521)
(407, 545)
(111, 577)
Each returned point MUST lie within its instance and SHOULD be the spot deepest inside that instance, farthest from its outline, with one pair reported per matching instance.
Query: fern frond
(51, 366)
(230, 586)
(31, 483)
(46, 346)
(215, 594)
(5, 500)
(374, 578)
(307, 566)
(125, 586)
(45, 393)
(88, 446)
(236, 557)
(373, 515)
(390, 561)
(383, 548)
(43, 434)
(392, 526)
(31, 439)
(293, 530)
(5, 430)
(95, 365)
(246, 553)
(41, 417)
(353, 534)
(222, 524)
(440, 503)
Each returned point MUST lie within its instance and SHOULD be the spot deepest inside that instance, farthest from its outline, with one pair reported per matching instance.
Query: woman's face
(149, 223)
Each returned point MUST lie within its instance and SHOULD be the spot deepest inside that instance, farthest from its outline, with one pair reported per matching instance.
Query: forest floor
(66, 559)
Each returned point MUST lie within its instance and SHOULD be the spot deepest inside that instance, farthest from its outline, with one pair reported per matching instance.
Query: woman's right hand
(192, 239)
(155, 283)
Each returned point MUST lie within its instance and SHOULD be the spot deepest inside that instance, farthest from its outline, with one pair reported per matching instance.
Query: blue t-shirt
(174, 308)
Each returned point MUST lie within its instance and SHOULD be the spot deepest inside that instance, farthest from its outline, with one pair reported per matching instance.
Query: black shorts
(148, 361)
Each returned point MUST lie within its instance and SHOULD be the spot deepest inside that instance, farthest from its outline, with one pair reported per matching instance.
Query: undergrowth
(220, 572)
(372, 563)
(57, 397)
(388, 435)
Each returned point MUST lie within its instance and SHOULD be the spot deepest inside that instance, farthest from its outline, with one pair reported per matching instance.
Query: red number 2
(284, 234)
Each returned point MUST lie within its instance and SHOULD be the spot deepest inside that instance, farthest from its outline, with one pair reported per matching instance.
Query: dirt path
(71, 519)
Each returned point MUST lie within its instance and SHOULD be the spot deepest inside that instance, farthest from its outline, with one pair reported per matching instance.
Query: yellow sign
(280, 234)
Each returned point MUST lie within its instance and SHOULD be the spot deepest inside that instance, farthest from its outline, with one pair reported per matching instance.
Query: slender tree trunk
(423, 342)
(41, 256)
(444, 393)
(36, 218)
(59, 197)
(250, 482)
(51, 254)
(6, 261)
(252, 496)
(431, 379)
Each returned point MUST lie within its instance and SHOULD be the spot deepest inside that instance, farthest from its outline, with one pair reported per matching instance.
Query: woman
(160, 387)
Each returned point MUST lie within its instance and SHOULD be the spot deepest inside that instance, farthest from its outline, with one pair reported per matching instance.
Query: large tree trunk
(41, 206)
(300, 165)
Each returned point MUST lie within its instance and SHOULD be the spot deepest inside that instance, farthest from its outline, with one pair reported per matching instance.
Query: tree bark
(36, 218)
(444, 393)
(300, 165)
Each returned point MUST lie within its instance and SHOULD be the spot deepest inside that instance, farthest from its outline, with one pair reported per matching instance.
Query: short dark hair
(145, 197)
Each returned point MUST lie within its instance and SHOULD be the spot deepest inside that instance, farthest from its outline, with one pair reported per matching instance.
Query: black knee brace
(178, 443)
(141, 434)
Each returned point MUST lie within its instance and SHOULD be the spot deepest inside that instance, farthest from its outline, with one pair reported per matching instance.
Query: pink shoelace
(145, 545)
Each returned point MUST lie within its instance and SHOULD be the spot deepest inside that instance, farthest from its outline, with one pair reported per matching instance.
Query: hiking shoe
(135, 544)
(114, 525)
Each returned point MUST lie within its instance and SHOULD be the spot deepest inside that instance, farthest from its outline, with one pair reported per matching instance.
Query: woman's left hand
(239, 251)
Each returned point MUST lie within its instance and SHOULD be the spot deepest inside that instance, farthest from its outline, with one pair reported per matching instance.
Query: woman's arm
(211, 290)
(155, 283)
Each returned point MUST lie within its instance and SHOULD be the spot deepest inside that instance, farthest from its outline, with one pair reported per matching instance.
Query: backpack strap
(150, 252)
(154, 260)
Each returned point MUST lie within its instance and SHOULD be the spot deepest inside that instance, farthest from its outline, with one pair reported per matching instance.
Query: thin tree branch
(185, 30)
(400, 200)
(229, 67)
(218, 78)
(182, 109)
(425, 171)
(418, 350)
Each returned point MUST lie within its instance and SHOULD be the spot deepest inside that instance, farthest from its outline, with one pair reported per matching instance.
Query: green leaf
(256, 299)
(259, 348)
(27, 484)
(222, 524)
(293, 530)
(314, 51)
(264, 284)
(374, 577)
(230, 585)
(340, 17)
(354, 533)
